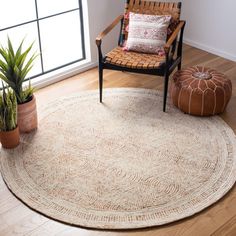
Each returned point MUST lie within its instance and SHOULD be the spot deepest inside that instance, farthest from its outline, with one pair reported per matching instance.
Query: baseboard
(48, 80)
(210, 49)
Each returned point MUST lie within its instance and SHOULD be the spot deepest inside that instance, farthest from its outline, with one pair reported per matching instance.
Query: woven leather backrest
(152, 8)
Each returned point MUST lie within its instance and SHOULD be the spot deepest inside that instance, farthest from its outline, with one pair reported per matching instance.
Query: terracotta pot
(27, 116)
(10, 139)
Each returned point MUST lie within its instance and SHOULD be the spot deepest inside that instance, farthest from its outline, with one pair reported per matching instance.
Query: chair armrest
(174, 35)
(107, 30)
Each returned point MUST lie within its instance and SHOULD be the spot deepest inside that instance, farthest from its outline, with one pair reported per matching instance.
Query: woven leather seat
(134, 60)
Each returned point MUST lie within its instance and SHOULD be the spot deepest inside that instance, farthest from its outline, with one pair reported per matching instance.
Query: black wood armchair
(143, 63)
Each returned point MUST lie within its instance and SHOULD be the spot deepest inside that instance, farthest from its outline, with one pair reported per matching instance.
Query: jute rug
(122, 164)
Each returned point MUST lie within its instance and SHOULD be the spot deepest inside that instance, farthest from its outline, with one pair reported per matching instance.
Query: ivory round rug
(122, 164)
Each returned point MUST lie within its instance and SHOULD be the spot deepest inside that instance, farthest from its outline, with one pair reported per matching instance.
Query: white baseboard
(215, 51)
(48, 80)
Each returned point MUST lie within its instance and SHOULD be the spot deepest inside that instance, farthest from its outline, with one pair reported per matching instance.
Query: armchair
(136, 62)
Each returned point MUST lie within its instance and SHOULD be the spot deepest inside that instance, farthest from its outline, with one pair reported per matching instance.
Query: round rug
(121, 164)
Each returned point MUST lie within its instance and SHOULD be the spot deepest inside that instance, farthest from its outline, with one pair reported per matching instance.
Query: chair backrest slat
(152, 8)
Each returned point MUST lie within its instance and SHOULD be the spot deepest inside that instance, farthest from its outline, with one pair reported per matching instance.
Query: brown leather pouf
(201, 91)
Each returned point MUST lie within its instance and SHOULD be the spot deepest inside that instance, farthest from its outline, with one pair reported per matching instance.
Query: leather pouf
(201, 91)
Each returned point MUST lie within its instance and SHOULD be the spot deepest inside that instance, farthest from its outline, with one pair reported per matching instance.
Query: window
(55, 27)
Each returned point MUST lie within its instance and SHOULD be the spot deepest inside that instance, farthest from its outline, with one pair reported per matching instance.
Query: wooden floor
(220, 219)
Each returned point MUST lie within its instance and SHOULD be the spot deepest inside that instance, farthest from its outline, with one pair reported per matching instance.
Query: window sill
(61, 74)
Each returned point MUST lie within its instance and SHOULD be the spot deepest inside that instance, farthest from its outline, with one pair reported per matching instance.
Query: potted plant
(9, 131)
(14, 68)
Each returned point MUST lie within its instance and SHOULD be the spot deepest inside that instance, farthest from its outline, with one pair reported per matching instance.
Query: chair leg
(180, 66)
(100, 82)
(165, 91)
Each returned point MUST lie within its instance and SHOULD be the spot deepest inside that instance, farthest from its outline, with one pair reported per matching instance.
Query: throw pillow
(147, 33)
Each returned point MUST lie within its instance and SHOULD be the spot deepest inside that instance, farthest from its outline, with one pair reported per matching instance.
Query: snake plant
(8, 112)
(14, 68)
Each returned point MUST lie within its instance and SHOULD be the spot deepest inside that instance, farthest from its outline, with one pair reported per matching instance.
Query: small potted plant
(14, 68)
(9, 131)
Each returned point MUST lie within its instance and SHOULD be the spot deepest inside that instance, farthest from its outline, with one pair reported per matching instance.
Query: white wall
(101, 14)
(211, 26)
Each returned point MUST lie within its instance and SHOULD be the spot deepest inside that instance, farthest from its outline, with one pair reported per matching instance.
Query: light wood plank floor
(220, 219)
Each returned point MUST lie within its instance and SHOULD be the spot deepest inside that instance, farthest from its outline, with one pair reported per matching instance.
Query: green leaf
(21, 59)
(3, 65)
(4, 54)
(10, 83)
(18, 52)
(10, 48)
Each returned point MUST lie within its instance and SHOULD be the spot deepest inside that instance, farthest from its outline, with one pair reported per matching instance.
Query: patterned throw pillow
(147, 33)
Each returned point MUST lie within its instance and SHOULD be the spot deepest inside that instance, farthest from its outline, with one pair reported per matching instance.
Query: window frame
(37, 21)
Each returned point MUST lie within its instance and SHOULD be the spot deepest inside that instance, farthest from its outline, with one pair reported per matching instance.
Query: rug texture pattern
(122, 164)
